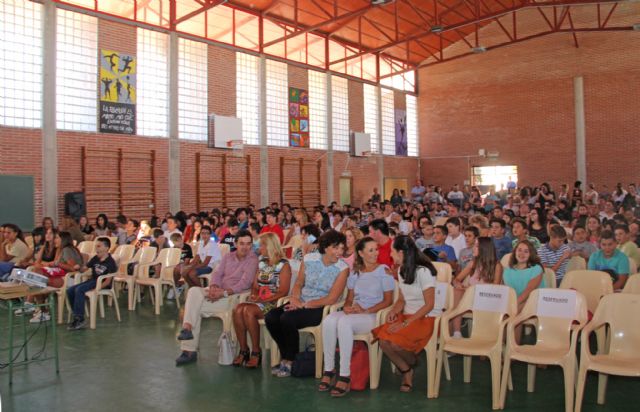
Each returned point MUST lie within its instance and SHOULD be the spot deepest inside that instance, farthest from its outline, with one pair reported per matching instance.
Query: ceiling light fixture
(479, 49)
(437, 29)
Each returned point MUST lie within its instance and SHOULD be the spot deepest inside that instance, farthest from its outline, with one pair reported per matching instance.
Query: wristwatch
(405, 323)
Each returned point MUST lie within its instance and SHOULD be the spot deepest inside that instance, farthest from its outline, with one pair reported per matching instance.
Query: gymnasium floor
(129, 366)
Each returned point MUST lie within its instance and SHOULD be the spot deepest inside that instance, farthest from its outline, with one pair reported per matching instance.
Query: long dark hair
(358, 263)
(106, 221)
(413, 258)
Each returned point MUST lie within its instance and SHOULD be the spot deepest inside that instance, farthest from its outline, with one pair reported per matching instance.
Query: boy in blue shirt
(610, 259)
(444, 252)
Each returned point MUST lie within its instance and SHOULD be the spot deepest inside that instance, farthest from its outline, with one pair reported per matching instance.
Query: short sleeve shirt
(369, 287)
(319, 278)
(19, 250)
(211, 249)
(102, 267)
(413, 293)
(518, 279)
(619, 262)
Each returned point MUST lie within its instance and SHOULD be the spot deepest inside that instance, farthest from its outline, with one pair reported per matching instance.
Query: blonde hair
(274, 249)
(305, 217)
(357, 233)
(479, 220)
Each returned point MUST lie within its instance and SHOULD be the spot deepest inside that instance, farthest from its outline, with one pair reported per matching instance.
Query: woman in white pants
(370, 289)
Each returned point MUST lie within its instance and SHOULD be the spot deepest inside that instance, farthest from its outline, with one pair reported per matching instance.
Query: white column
(264, 149)
(581, 151)
(379, 139)
(174, 141)
(330, 178)
(49, 139)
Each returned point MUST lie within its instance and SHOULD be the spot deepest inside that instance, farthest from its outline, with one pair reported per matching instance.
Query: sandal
(340, 392)
(241, 359)
(326, 386)
(405, 387)
(255, 360)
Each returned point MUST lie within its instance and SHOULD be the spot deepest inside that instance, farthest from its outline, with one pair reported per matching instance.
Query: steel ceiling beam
(207, 5)
(475, 21)
(336, 19)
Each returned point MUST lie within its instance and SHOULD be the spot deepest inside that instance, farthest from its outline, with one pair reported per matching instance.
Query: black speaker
(74, 204)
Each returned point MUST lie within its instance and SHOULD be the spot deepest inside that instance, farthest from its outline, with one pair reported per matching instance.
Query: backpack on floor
(359, 366)
(304, 364)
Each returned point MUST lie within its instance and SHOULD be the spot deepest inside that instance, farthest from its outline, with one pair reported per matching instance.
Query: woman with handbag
(271, 283)
(370, 289)
(408, 327)
(320, 282)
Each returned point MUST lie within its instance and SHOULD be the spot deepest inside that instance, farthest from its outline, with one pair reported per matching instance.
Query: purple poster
(401, 132)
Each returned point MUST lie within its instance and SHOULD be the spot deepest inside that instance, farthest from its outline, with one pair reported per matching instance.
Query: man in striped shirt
(555, 255)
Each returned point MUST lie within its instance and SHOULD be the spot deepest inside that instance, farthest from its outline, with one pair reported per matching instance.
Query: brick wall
(21, 149)
(519, 101)
(21, 154)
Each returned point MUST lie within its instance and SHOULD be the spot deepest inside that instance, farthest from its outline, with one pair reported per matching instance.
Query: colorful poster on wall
(298, 117)
(401, 132)
(117, 92)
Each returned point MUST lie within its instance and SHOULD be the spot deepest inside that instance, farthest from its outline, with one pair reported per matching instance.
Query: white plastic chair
(88, 247)
(97, 294)
(490, 306)
(632, 285)
(168, 258)
(144, 257)
(576, 263)
(593, 285)
(555, 311)
(620, 312)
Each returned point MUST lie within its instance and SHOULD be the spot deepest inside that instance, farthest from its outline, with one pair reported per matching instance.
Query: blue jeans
(76, 295)
(5, 270)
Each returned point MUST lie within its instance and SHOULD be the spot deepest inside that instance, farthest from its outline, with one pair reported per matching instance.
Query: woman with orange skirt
(408, 327)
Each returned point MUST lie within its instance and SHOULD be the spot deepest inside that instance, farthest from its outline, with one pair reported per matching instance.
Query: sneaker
(186, 358)
(40, 317)
(77, 324)
(27, 308)
(285, 371)
(171, 295)
(276, 369)
(185, 334)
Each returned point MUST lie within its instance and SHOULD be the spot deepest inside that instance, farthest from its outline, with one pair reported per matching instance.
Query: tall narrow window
(388, 123)
(340, 111)
(153, 83)
(277, 104)
(248, 96)
(76, 71)
(318, 109)
(371, 115)
(21, 68)
(412, 125)
(192, 90)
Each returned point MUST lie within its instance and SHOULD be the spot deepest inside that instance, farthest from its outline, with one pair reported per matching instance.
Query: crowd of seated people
(328, 254)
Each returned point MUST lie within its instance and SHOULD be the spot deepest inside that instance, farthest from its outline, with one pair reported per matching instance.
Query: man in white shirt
(455, 238)
(172, 227)
(456, 196)
(205, 260)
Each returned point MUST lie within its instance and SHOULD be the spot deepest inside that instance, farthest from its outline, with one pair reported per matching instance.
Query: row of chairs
(487, 333)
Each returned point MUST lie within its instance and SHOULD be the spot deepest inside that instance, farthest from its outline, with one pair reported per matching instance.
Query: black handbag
(304, 364)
